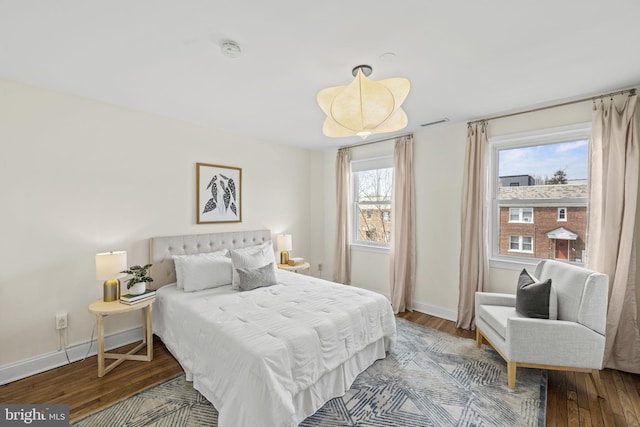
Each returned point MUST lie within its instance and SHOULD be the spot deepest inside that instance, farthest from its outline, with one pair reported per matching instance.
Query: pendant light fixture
(364, 106)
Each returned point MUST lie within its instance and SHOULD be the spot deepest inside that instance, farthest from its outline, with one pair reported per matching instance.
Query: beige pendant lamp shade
(364, 107)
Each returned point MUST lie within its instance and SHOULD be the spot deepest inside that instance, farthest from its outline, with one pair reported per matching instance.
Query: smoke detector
(230, 49)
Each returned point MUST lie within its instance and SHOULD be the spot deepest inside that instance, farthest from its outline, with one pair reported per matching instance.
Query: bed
(273, 355)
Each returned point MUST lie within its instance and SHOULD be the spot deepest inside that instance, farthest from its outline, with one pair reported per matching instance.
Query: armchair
(572, 342)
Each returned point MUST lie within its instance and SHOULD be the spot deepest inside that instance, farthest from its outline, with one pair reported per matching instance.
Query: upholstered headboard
(162, 249)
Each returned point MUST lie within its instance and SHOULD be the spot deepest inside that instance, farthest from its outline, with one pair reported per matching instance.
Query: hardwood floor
(571, 397)
(78, 384)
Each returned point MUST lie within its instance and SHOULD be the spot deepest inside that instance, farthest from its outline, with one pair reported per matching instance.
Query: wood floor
(571, 397)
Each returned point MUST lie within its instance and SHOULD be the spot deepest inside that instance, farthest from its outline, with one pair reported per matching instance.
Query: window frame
(521, 215)
(576, 132)
(566, 214)
(373, 163)
(521, 238)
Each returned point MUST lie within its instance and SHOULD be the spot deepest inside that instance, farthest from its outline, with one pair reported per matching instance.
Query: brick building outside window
(543, 221)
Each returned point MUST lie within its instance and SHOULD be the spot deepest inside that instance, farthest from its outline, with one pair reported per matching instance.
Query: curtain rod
(376, 141)
(631, 92)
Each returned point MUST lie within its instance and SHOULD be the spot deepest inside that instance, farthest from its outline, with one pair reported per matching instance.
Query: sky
(545, 160)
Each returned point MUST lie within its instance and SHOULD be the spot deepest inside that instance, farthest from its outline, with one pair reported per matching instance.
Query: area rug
(431, 378)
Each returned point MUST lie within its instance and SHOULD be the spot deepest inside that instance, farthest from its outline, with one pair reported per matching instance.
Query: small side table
(302, 268)
(102, 309)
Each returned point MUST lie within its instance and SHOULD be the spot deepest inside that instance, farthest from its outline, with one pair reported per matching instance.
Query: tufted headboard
(161, 249)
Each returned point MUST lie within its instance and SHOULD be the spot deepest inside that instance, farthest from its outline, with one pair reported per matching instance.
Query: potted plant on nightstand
(137, 284)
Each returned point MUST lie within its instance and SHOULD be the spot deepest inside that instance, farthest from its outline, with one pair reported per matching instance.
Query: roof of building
(556, 192)
(562, 233)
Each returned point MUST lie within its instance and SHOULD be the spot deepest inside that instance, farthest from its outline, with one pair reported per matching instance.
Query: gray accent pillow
(532, 296)
(251, 257)
(252, 278)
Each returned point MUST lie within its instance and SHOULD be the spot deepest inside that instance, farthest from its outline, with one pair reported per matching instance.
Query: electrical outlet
(61, 321)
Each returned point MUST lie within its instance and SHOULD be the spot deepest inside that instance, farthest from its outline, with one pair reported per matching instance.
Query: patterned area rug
(430, 379)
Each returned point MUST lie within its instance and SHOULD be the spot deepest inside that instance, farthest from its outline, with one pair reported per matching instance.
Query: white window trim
(521, 244)
(565, 215)
(358, 166)
(517, 140)
(521, 216)
(362, 246)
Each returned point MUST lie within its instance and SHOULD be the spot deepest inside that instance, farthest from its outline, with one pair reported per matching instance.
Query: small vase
(138, 288)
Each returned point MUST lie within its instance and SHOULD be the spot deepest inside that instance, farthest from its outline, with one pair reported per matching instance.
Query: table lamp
(108, 268)
(283, 244)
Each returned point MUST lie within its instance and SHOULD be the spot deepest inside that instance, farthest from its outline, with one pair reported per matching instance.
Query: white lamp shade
(283, 242)
(364, 107)
(110, 264)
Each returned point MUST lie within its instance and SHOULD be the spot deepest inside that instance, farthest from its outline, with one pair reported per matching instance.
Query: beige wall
(79, 177)
(439, 159)
(439, 163)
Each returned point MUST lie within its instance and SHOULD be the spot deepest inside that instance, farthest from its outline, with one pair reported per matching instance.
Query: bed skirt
(332, 384)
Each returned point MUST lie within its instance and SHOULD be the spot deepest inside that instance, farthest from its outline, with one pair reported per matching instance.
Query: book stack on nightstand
(134, 299)
(295, 261)
(297, 265)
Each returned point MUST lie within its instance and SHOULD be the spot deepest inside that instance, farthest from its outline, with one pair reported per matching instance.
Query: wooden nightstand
(303, 268)
(102, 309)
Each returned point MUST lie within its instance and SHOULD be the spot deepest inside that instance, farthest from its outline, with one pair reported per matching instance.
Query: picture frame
(219, 193)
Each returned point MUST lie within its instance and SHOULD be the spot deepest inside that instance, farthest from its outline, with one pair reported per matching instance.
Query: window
(521, 244)
(562, 214)
(550, 167)
(521, 215)
(372, 181)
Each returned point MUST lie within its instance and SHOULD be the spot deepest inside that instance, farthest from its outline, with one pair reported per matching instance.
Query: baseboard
(434, 310)
(430, 309)
(45, 362)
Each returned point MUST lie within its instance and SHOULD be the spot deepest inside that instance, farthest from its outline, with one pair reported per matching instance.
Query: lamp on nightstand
(108, 268)
(283, 244)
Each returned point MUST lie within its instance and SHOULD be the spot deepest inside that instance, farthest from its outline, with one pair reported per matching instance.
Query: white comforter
(273, 356)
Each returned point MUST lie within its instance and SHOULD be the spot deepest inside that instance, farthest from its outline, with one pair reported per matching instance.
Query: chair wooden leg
(511, 375)
(478, 338)
(595, 375)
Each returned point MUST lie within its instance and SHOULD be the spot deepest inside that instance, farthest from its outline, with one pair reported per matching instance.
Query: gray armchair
(573, 342)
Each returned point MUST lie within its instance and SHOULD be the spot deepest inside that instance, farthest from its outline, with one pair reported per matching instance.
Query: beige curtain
(611, 243)
(403, 230)
(342, 257)
(473, 252)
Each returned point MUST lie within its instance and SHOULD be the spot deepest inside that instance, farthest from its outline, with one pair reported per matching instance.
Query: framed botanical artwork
(219, 190)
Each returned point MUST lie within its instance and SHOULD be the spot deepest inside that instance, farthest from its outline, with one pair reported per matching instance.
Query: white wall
(79, 177)
(369, 267)
(439, 162)
(502, 280)
(317, 240)
(439, 159)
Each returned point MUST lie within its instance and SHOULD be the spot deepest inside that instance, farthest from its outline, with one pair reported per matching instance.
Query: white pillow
(182, 261)
(251, 257)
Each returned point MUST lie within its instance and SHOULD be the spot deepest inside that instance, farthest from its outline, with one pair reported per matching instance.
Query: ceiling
(465, 59)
